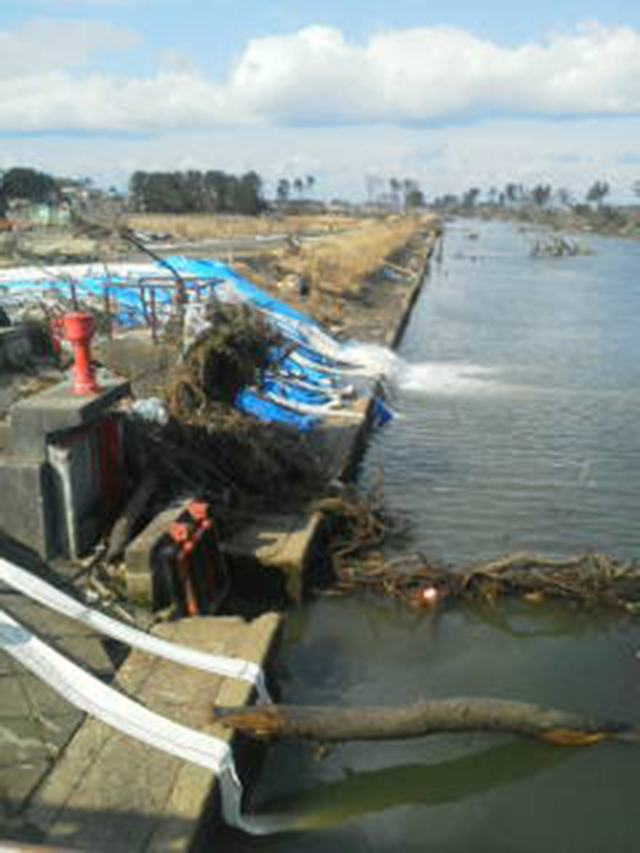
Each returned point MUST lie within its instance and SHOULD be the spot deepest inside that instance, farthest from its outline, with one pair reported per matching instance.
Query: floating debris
(559, 247)
(589, 579)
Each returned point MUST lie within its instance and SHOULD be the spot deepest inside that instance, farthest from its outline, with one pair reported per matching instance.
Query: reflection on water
(453, 792)
(519, 410)
(332, 803)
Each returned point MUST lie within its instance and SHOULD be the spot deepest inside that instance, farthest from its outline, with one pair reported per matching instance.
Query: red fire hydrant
(78, 329)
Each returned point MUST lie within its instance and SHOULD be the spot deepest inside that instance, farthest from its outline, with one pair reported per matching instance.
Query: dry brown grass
(339, 264)
(210, 226)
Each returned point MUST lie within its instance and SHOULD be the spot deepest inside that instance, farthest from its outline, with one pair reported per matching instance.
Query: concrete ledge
(111, 793)
(275, 543)
(57, 409)
(139, 553)
(28, 511)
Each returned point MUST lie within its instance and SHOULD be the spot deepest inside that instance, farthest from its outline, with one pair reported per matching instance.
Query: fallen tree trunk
(550, 725)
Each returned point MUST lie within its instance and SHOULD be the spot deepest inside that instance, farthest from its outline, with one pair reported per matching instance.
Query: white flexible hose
(91, 695)
(38, 590)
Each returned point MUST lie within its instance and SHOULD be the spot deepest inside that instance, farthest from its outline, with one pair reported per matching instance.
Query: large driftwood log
(550, 725)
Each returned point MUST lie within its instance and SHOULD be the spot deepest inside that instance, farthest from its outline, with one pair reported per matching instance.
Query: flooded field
(518, 410)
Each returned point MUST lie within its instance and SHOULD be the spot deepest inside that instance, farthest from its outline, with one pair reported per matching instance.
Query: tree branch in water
(551, 725)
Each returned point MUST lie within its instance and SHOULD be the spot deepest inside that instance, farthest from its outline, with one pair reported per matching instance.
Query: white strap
(111, 707)
(38, 590)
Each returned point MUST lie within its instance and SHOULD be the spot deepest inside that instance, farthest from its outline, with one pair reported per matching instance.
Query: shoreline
(607, 222)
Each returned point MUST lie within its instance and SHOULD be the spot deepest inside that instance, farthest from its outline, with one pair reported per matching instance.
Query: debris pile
(588, 579)
(559, 247)
(229, 356)
(249, 381)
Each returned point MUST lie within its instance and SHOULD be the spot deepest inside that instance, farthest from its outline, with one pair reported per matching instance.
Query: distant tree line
(302, 187)
(515, 196)
(27, 184)
(196, 192)
(394, 193)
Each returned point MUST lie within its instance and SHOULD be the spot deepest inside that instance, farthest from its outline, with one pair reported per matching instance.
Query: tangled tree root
(210, 448)
(591, 579)
(229, 356)
(359, 565)
(252, 463)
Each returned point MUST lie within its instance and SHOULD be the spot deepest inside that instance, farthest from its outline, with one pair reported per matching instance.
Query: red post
(79, 328)
(181, 534)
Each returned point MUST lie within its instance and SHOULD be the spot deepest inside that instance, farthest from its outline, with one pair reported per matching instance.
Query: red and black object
(189, 571)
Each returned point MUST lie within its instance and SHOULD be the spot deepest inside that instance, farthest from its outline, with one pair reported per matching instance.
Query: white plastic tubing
(111, 707)
(42, 592)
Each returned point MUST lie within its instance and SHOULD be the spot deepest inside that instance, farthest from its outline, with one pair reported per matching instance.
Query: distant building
(28, 214)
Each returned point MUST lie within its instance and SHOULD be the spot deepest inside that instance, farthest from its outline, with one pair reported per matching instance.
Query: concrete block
(37, 419)
(283, 545)
(90, 473)
(28, 507)
(63, 468)
(139, 554)
(15, 347)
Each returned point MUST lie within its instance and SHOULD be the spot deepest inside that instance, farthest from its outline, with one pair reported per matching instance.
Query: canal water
(518, 404)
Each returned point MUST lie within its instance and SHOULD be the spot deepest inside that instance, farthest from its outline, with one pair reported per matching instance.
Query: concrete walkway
(35, 723)
(106, 791)
(111, 793)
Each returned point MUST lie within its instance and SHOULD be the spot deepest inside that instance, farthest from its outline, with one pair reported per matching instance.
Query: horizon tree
(283, 189)
(597, 193)
(471, 196)
(541, 194)
(413, 195)
(513, 193)
(564, 197)
(395, 187)
(28, 184)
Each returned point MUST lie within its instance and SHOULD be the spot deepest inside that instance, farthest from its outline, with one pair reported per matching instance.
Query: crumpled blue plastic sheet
(301, 375)
(127, 305)
(252, 402)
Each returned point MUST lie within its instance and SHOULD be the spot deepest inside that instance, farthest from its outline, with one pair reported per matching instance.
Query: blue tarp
(253, 403)
(126, 300)
(294, 392)
(217, 271)
(311, 380)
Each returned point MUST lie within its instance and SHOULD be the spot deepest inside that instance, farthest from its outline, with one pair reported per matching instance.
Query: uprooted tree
(549, 725)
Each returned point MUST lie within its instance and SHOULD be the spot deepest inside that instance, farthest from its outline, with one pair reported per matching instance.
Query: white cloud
(315, 76)
(438, 74)
(49, 45)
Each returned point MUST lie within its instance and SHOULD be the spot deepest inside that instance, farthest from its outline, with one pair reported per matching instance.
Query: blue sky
(450, 94)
